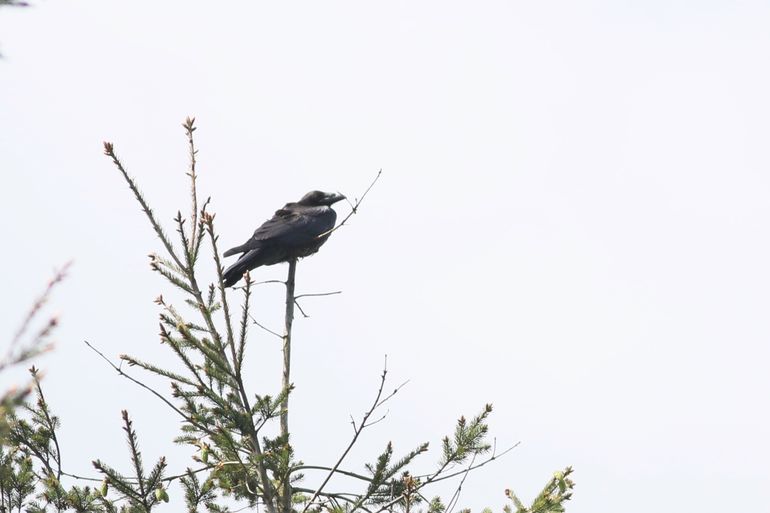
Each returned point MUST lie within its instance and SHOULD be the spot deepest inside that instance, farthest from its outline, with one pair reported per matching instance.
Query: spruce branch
(201, 230)
(176, 347)
(209, 221)
(149, 389)
(136, 455)
(189, 127)
(244, 321)
(48, 421)
(383, 471)
(468, 440)
(109, 150)
(37, 436)
(551, 499)
(168, 264)
(171, 277)
(142, 490)
(212, 354)
(187, 244)
(131, 361)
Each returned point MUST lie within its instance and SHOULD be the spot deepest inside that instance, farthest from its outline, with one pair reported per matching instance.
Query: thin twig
(436, 477)
(338, 471)
(377, 421)
(338, 495)
(269, 281)
(354, 208)
(356, 434)
(154, 392)
(165, 479)
(261, 283)
(319, 294)
(265, 327)
(83, 478)
(456, 495)
(301, 310)
(455, 474)
(394, 392)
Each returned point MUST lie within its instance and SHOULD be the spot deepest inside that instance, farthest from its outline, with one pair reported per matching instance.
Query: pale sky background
(572, 224)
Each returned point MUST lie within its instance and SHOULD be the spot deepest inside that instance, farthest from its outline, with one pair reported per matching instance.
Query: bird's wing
(253, 242)
(291, 227)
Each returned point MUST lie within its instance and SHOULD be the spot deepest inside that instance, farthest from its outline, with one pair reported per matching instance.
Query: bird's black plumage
(297, 230)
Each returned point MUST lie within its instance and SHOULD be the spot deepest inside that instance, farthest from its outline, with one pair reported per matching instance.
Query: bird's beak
(334, 197)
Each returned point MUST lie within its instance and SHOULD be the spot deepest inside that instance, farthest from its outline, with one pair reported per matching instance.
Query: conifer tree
(240, 458)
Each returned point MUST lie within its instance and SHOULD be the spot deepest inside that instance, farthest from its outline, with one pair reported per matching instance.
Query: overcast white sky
(572, 223)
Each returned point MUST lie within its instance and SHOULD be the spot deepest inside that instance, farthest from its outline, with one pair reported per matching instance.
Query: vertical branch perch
(289, 319)
(287, 344)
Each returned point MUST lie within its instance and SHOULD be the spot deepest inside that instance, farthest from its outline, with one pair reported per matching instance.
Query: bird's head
(319, 198)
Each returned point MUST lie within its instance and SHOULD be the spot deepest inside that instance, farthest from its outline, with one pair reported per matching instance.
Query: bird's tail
(234, 273)
(233, 251)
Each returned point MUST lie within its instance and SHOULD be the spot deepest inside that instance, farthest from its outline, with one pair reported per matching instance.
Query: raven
(297, 230)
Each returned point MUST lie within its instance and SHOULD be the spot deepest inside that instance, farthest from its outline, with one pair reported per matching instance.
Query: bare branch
(378, 420)
(337, 496)
(265, 327)
(288, 322)
(83, 478)
(356, 434)
(394, 392)
(456, 495)
(455, 474)
(338, 471)
(353, 208)
(301, 310)
(319, 294)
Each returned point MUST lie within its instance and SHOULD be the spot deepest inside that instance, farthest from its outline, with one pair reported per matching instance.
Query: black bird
(297, 230)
